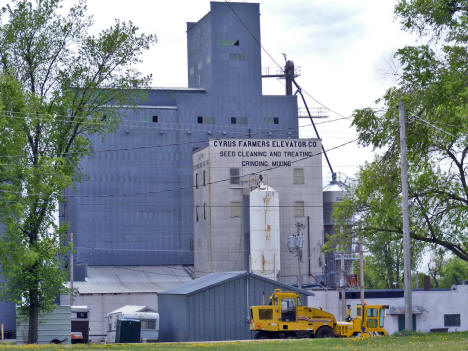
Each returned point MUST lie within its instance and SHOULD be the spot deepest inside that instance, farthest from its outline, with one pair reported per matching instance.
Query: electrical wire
(245, 134)
(325, 106)
(433, 126)
(186, 187)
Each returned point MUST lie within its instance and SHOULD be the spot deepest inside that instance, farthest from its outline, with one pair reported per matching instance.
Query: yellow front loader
(286, 317)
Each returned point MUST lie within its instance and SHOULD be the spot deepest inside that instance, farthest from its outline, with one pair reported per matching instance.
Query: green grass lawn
(443, 341)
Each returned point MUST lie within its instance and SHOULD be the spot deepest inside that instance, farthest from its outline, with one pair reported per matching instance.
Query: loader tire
(325, 332)
(261, 335)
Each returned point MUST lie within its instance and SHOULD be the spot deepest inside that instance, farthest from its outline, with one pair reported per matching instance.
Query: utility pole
(299, 273)
(361, 270)
(71, 271)
(404, 208)
(343, 288)
(343, 284)
(289, 75)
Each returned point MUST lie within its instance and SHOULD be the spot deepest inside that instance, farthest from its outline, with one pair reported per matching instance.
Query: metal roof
(334, 187)
(214, 279)
(401, 310)
(80, 308)
(132, 308)
(131, 279)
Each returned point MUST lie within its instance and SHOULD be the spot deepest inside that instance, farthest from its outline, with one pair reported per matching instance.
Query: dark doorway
(401, 322)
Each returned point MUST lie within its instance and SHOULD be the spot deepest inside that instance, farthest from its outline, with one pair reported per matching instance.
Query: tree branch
(456, 249)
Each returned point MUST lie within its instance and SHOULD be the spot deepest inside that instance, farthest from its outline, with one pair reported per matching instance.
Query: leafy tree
(59, 85)
(434, 88)
(454, 272)
(383, 268)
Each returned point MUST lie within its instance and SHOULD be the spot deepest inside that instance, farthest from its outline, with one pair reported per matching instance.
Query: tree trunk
(33, 316)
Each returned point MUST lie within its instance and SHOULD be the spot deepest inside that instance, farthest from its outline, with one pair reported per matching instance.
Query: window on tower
(235, 209)
(299, 208)
(234, 174)
(298, 176)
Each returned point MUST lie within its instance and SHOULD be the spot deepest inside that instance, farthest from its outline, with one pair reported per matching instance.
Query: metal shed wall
(53, 325)
(216, 312)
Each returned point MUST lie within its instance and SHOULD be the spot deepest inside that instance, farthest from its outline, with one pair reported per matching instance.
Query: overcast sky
(343, 47)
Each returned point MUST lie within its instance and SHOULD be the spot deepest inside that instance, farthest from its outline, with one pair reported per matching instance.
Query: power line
(212, 206)
(433, 126)
(325, 106)
(247, 134)
(188, 187)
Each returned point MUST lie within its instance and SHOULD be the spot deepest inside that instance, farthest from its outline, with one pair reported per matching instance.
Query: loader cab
(288, 309)
(371, 317)
(287, 303)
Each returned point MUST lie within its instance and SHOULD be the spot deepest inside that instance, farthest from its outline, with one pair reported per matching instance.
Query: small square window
(148, 324)
(233, 120)
(298, 176)
(234, 175)
(451, 320)
(205, 120)
(299, 207)
(235, 209)
(271, 120)
(155, 119)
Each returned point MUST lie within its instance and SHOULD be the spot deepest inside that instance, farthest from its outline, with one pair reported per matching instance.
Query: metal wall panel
(55, 325)
(173, 312)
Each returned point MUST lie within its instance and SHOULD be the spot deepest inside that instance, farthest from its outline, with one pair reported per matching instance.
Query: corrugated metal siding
(54, 325)
(173, 314)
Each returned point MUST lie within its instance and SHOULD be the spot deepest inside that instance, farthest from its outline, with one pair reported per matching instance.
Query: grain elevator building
(135, 207)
